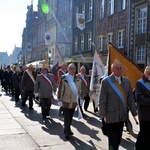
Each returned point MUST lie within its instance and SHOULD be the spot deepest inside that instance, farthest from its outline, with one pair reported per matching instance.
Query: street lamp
(49, 57)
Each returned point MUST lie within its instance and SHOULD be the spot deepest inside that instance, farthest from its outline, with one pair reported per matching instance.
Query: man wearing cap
(62, 71)
(44, 87)
(27, 84)
(115, 97)
(142, 94)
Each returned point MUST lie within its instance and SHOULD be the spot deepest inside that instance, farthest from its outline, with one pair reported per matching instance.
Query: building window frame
(140, 53)
(75, 43)
(111, 9)
(142, 20)
(100, 41)
(101, 9)
(89, 40)
(82, 42)
(90, 11)
(121, 38)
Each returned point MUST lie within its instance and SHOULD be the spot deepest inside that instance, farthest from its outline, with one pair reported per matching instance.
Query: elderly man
(142, 93)
(27, 84)
(44, 87)
(69, 90)
(115, 97)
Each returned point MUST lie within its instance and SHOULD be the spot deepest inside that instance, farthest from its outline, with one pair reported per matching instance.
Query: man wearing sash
(84, 87)
(61, 72)
(115, 95)
(27, 83)
(44, 87)
(142, 94)
(69, 90)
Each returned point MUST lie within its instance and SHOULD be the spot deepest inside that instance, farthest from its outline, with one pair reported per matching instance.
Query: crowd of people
(72, 89)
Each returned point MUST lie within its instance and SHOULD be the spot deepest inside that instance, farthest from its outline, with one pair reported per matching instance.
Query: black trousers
(17, 93)
(86, 102)
(143, 138)
(114, 134)
(68, 115)
(45, 106)
(26, 95)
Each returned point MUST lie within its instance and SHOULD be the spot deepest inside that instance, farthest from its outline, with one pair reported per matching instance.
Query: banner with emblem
(98, 70)
(80, 21)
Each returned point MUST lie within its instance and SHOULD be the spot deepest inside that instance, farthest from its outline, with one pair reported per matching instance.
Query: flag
(98, 70)
(130, 69)
(80, 21)
(58, 60)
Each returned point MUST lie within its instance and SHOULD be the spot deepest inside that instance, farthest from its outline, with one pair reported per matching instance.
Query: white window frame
(76, 12)
(90, 9)
(89, 40)
(75, 43)
(101, 9)
(123, 4)
(83, 8)
(110, 7)
(121, 38)
(100, 42)
(110, 36)
(142, 20)
(140, 53)
(82, 42)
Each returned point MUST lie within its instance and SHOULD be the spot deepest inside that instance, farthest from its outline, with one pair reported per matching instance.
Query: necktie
(119, 80)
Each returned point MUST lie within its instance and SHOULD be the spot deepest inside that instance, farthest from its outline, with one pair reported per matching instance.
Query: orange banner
(130, 70)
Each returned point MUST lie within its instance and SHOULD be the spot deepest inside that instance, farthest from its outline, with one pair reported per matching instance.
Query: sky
(13, 17)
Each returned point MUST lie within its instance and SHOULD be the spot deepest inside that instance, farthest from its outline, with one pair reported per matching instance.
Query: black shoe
(67, 137)
(44, 117)
(31, 108)
(71, 133)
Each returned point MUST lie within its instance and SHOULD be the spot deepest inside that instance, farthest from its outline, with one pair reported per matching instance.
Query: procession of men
(74, 94)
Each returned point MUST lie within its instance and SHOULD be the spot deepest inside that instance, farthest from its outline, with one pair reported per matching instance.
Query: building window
(69, 27)
(140, 53)
(100, 43)
(110, 37)
(76, 44)
(82, 42)
(70, 4)
(90, 9)
(83, 8)
(101, 9)
(121, 5)
(121, 39)
(89, 38)
(110, 7)
(142, 23)
(76, 12)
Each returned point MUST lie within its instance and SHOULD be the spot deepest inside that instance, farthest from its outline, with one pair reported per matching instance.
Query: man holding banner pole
(69, 91)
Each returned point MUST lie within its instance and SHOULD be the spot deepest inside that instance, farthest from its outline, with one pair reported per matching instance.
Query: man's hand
(60, 103)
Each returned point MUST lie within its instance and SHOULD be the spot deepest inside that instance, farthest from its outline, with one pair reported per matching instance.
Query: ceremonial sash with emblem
(75, 93)
(83, 80)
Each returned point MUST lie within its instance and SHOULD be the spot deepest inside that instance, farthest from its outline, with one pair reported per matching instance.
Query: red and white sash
(61, 71)
(46, 79)
(83, 80)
